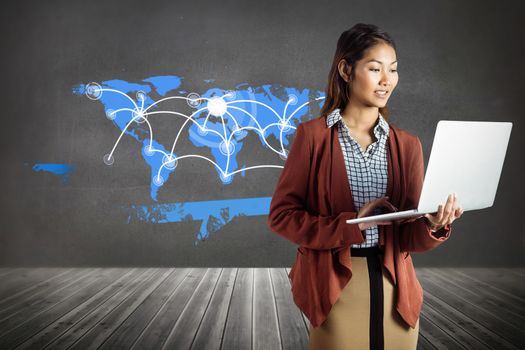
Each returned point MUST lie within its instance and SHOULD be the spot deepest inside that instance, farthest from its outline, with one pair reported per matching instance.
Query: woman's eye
(377, 70)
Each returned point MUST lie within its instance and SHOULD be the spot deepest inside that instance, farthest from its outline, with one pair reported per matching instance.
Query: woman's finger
(383, 222)
(452, 215)
(447, 210)
(439, 215)
(391, 206)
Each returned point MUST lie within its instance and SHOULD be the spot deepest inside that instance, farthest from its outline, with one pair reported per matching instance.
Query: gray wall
(457, 60)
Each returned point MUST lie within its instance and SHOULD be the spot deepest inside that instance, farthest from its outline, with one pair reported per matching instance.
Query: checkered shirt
(367, 171)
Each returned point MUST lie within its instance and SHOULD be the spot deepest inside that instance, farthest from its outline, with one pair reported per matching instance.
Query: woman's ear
(344, 70)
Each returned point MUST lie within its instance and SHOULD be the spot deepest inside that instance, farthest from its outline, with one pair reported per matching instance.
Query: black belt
(368, 251)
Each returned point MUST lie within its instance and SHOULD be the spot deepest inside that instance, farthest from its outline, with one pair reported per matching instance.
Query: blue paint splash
(61, 170)
(213, 214)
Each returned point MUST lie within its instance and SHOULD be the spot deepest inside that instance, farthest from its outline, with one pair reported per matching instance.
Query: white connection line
(175, 97)
(257, 102)
(121, 93)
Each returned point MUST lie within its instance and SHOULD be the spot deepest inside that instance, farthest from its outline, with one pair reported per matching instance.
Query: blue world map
(216, 121)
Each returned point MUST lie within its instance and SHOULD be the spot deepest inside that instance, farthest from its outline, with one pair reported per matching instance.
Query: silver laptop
(466, 158)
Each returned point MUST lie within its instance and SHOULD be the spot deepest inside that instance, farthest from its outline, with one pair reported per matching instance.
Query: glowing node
(109, 159)
(93, 91)
(284, 127)
(226, 178)
(217, 106)
(193, 99)
(139, 116)
(227, 149)
(283, 155)
(229, 95)
(158, 180)
(141, 96)
(202, 131)
(110, 114)
(169, 162)
(292, 100)
(149, 151)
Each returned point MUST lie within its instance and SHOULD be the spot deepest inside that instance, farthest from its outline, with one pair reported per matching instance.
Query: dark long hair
(351, 46)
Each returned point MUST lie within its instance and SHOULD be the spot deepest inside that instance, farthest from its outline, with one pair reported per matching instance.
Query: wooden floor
(230, 308)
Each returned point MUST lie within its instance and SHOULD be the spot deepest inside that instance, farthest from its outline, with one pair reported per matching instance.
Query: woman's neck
(360, 118)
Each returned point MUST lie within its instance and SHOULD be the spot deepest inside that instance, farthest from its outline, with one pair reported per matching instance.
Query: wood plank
(42, 319)
(294, 334)
(238, 331)
(497, 278)
(305, 319)
(221, 308)
(423, 343)
(435, 335)
(6, 271)
(453, 330)
(20, 316)
(30, 295)
(187, 325)
(493, 299)
(498, 308)
(473, 327)
(160, 327)
(25, 278)
(209, 335)
(75, 315)
(455, 298)
(265, 321)
(103, 329)
(518, 270)
(126, 334)
(70, 336)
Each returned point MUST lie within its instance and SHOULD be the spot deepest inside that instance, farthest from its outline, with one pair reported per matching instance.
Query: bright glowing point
(193, 99)
(217, 106)
(284, 127)
(227, 150)
(202, 131)
(93, 91)
(292, 100)
(283, 155)
(225, 178)
(158, 180)
(110, 114)
(169, 162)
(139, 116)
(148, 150)
(109, 159)
(141, 95)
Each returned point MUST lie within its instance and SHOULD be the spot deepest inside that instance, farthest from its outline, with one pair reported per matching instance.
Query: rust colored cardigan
(312, 202)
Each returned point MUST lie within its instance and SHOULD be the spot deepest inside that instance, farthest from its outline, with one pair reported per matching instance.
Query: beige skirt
(364, 316)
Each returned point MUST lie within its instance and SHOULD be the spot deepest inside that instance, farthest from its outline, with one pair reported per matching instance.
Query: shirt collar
(335, 116)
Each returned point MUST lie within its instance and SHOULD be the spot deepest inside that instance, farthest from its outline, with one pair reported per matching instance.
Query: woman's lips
(379, 94)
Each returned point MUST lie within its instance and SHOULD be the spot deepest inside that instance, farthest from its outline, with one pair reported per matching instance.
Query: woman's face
(375, 76)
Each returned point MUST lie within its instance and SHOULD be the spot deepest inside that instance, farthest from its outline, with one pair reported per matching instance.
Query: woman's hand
(368, 209)
(445, 215)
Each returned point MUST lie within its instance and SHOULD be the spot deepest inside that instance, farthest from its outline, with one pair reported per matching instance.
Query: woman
(356, 282)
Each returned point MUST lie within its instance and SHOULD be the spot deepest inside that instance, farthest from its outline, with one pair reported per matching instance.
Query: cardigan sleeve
(416, 236)
(289, 216)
